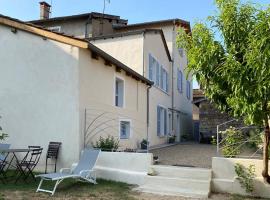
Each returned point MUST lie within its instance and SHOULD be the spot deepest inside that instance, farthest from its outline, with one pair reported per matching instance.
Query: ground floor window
(125, 126)
(161, 121)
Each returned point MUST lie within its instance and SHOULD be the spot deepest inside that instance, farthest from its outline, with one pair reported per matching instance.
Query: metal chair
(52, 153)
(3, 162)
(28, 164)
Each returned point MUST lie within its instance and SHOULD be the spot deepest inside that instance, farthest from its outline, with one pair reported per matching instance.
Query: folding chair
(52, 153)
(3, 161)
(83, 171)
(28, 164)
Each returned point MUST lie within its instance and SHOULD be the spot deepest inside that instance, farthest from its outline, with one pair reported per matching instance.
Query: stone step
(190, 193)
(182, 172)
(177, 183)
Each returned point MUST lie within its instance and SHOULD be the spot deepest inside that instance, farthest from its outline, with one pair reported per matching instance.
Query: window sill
(161, 90)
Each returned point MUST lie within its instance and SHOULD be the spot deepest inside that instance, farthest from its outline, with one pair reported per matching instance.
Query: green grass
(68, 189)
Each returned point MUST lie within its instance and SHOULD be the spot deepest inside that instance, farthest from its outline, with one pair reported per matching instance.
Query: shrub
(232, 142)
(107, 144)
(3, 135)
(245, 176)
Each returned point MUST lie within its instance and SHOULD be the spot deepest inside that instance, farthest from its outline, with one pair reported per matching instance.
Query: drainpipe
(86, 34)
(173, 43)
(147, 118)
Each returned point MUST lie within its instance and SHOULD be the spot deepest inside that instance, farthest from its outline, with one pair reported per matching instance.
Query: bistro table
(14, 157)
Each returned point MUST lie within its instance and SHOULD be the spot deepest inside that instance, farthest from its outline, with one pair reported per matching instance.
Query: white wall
(97, 96)
(39, 100)
(224, 177)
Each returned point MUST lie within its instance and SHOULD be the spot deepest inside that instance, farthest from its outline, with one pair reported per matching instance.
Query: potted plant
(144, 144)
(172, 139)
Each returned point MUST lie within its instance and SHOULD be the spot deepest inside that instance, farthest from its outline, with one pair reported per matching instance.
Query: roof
(159, 22)
(60, 37)
(198, 93)
(136, 32)
(80, 16)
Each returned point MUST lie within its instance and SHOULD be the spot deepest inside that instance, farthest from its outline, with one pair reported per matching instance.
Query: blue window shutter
(178, 80)
(181, 81)
(158, 121)
(157, 74)
(150, 67)
(167, 82)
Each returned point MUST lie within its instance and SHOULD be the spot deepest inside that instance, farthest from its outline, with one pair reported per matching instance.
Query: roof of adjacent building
(90, 15)
(175, 21)
(16, 24)
(198, 96)
(136, 32)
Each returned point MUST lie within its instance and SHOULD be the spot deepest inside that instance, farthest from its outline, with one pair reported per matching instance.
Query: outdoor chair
(84, 171)
(52, 153)
(28, 164)
(3, 160)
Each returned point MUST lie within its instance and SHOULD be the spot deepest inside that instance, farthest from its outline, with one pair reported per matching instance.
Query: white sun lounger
(83, 171)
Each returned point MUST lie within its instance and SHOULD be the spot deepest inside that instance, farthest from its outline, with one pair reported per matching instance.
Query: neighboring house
(171, 97)
(209, 116)
(52, 84)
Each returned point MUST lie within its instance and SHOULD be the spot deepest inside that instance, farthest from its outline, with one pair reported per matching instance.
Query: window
(180, 81)
(158, 74)
(181, 52)
(124, 129)
(119, 92)
(161, 121)
(55, 28)
(188, 89)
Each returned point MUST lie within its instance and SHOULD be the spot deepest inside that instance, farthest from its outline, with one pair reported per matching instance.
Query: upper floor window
(161, 121)
(158, 74)
(188, 89)
(180, 81)
(55, 28)
(125, 129)
(119, 92)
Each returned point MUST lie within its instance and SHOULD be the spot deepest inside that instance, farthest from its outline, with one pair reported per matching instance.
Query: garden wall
(224, 177)
(125, 167)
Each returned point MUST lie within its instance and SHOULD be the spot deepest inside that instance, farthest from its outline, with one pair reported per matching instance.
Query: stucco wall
(128, 49)
(153, 45)
(224, 177)
(39, 99)
(97, 97)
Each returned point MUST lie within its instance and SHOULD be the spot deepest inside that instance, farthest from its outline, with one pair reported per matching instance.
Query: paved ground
(196, 155)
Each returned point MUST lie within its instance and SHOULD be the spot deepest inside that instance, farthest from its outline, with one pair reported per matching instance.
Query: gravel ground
(196, 155)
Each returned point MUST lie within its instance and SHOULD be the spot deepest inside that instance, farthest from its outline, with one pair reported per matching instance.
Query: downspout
(147, 116)
(86, 34)
(172, 61)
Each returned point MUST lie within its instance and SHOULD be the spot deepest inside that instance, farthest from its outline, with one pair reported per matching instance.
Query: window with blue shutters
(119, 92)
(124, 129)
(161, 121)
(180, 81)
(157, 83)
(150, 75)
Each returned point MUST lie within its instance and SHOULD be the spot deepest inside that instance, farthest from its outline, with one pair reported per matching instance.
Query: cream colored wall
(97, 97)
(128, 49)
(39, 99)
(153, 45)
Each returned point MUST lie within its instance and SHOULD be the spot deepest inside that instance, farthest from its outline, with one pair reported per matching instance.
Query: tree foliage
(234, 70)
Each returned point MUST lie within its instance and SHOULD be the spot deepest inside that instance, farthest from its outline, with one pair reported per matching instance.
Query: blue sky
(133, 10)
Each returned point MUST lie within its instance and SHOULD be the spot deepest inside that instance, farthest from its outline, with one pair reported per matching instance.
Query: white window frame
(55, 27)
(124, 91)
(130, 129)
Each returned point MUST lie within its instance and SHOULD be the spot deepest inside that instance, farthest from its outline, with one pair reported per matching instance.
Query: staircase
(178, 181)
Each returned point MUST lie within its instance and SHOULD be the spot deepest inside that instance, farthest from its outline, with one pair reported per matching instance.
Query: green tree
(234, 70)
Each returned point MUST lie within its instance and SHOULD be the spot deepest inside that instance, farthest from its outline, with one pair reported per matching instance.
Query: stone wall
(210, 117)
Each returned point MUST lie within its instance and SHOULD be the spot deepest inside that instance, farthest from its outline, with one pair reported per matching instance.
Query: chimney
(45, 10)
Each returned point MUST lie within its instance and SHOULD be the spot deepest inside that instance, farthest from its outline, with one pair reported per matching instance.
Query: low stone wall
(224, 177)
(124, 167)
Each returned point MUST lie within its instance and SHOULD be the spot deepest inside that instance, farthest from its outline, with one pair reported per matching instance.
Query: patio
(188, 154)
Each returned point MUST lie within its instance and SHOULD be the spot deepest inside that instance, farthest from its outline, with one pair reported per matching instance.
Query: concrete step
(182, 172)
(190, 193)
(177, 183)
